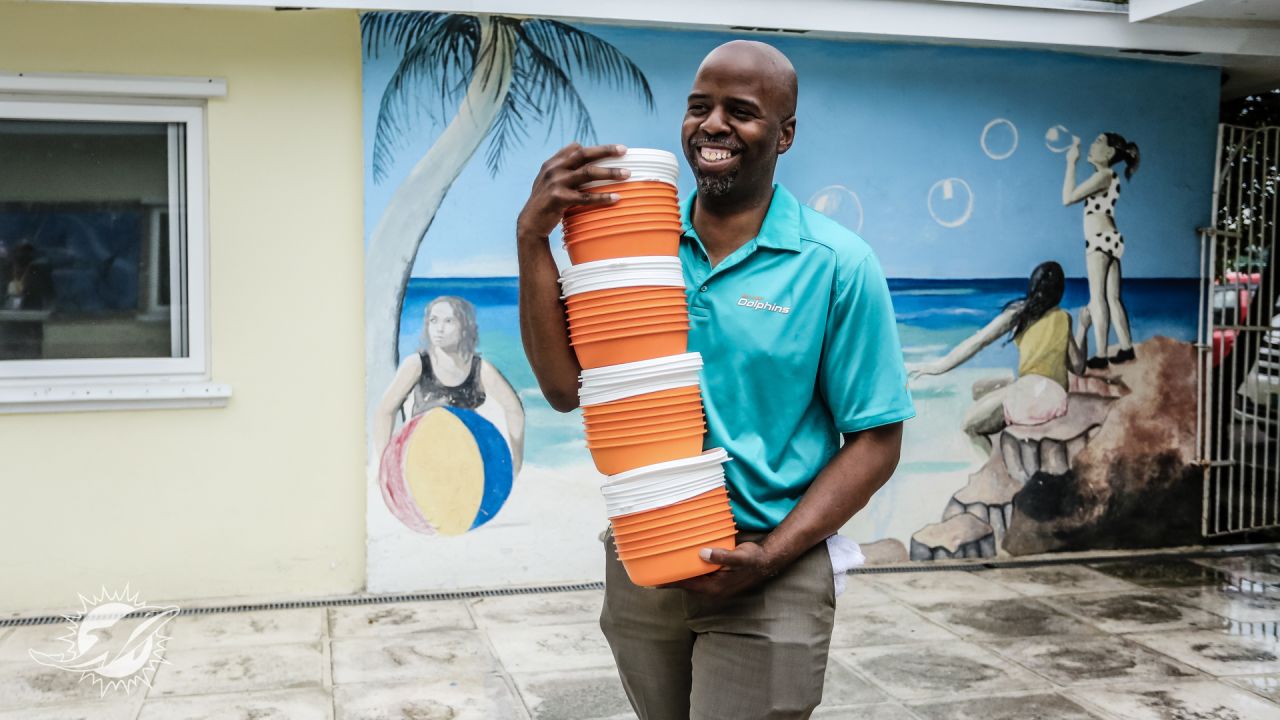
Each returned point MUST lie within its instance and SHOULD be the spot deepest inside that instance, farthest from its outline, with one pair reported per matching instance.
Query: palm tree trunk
(395, 241)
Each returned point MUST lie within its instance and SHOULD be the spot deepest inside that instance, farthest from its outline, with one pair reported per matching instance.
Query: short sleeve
(862, 376)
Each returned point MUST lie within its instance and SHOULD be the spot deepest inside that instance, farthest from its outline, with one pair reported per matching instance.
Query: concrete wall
(263, 497)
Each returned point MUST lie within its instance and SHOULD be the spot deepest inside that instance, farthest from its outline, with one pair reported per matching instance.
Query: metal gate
(1239, 370)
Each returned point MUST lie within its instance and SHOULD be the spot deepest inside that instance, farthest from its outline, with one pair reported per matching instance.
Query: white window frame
(131, 383)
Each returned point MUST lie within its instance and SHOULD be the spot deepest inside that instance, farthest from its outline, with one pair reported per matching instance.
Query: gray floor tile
(303, 704)
(574, 695)
(464, 697)
(1216, 653)
(1232, 603)
(567, 608)
(1058, 580)
(996, 619)
(398, 619)
(1199, 700)
(1262, 569)
(1268, 686)
(861, 591)
(952, 669)
(263, 627)
(424, 657)
(29, 684)
(887, 624)
(549, 648)
(1039, 706)
(842, 686)
(932, 588)
(99, 709)
(881, 711)
(1162, 573)
(48, 639)
(238, 669)
(1084, 660)
(1146, 611)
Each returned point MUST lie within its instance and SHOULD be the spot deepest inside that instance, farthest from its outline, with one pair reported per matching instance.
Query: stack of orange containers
(640, 390)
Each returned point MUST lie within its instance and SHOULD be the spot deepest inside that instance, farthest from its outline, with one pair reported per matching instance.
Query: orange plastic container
(621, 223)
(627, 331)
(613, 328)
(658, 210)
(639, 541)
(599, 351)
(694, 539)
(710, 531)
(646, 401)
(608, 296)
(645, 202)
(647, 233)
(616, 457)
(627, 307)
(719, 509)
(673, 565)
(630, 188)
(710, 498)
(681, 416)
(609, 437)
(626, 195)
(648, 242)
(622, 318)
(682, 407)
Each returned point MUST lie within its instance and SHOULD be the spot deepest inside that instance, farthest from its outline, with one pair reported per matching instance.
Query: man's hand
(742, 568)
(556, 188)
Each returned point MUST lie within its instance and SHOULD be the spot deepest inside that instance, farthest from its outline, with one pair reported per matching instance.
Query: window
(102, 253)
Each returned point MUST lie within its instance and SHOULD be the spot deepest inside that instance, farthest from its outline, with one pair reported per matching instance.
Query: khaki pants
(761, 654)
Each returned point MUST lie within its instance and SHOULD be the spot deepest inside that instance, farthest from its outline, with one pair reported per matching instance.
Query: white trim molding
(37, 398)
(112, 85)
(1036, 23)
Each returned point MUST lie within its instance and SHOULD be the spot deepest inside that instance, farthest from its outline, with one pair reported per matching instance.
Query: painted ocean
(933, 315)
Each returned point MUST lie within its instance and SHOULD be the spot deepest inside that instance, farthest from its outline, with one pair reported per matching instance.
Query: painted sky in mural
(893, 124)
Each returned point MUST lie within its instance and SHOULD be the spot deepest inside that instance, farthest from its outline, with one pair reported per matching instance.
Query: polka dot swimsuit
(1103, 202)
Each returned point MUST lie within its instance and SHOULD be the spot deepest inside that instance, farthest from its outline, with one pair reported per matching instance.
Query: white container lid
(636, 490)
(588, 397)
(645, 164)
(669, 362)
(627, 508)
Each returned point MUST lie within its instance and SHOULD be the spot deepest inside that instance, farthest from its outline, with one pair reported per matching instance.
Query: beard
(714, 186)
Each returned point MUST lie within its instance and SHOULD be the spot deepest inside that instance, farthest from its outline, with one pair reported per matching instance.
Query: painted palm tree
(505, 74)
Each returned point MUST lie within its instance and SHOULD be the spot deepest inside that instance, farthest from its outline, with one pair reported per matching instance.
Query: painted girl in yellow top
(1047, 351)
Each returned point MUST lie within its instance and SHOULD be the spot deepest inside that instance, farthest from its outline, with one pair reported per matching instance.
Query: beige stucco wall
(264, 497)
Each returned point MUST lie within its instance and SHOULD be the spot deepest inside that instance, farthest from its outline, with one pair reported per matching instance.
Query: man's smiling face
(740, 116)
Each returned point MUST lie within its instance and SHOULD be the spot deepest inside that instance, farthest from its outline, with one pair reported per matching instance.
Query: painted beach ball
(446, 471)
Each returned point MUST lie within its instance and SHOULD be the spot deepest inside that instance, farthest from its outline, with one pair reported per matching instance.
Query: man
(792, 315)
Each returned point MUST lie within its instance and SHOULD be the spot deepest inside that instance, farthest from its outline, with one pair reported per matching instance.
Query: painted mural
(1049, 385)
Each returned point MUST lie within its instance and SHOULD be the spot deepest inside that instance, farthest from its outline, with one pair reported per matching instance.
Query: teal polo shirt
(799, 344)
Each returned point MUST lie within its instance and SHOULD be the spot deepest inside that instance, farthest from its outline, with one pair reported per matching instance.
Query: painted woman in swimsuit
(448, 371)
(1104, 245)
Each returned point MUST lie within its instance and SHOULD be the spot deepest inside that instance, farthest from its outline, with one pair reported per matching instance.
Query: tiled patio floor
(1173, 639)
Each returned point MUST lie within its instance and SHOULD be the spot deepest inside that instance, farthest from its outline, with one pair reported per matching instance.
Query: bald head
(740, 117)
(774, 72)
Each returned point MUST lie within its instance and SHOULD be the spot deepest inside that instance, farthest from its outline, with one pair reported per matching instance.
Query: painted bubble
(840, 204)
(950, 202)
(1057, 138)
(999, 139)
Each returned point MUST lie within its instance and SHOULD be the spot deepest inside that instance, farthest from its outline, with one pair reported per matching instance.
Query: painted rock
(446, 471)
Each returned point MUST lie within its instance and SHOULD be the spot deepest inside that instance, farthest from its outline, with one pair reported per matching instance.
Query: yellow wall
(264, 497)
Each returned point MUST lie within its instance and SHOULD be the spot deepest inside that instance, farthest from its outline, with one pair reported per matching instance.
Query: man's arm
(843, 487)
(543, 326)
